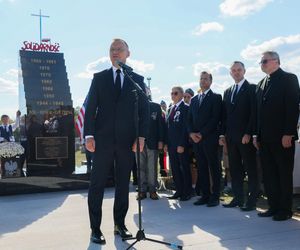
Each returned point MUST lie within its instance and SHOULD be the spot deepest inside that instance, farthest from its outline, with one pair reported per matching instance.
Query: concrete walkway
(60, 221)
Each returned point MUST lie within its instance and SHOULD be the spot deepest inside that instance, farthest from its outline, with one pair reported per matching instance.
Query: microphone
(124, 66)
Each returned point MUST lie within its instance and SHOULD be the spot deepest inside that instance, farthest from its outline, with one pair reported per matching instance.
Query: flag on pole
(80, 119)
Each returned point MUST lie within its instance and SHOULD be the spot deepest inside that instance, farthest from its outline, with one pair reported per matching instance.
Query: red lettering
(44, 47)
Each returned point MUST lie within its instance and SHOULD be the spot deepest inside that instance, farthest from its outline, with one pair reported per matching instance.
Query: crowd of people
(252, 124)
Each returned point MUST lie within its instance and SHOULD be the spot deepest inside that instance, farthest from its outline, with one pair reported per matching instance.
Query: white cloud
(180, 67)
(140, 66)
(242, 7)
(8, 86)
(104, 63)
(206, 27)
(254, 51)
(12, 73)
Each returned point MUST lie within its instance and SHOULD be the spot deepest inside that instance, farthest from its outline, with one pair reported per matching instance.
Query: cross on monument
(40, 15)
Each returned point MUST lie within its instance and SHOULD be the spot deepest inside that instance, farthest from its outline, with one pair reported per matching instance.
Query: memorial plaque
(45, 100)
(51, 147)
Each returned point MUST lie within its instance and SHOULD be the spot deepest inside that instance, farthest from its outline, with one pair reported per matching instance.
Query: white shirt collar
(177, 104)
(115, 74)
(205, 92)
(240, 83)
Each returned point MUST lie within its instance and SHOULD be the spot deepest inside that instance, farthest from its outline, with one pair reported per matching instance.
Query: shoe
(233, 203)
(268, 213)
(122, 231)
(141, 196)
(154, 196)
(213, 202)
(201, 201)
(248, 208)
(186, 197)
(281, 216)
(174, 197)
(97, 237)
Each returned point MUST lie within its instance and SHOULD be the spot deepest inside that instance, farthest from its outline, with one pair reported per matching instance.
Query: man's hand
(196, 137)
(246, 139)
(287, 141)
(160, 145)
(141, 142)
(180, 149)
(222, 141)
(90, 144)
(256, 143)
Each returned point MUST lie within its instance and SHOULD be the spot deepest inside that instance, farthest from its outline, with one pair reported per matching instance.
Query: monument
(45, 100)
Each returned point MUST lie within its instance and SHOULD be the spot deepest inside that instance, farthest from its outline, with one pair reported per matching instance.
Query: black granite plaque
(51, 147)
(45, 100)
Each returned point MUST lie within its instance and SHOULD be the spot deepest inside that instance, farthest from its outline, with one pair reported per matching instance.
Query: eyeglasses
(265, 61)
(174, 93)
(117, 50)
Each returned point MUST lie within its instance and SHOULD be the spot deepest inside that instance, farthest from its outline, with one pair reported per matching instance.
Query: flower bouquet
(9, 153)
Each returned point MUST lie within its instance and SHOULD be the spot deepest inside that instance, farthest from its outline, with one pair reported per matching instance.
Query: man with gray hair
(277, 97)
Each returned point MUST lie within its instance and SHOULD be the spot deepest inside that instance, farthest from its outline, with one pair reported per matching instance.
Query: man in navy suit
(238, 120)
(109, 130)
(177, 145)
(277, 115)
(204, 121)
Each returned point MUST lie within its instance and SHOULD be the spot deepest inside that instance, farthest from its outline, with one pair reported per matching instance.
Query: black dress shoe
(233, 203)
(122, 231)
(201, 201)
(97, 237)
(185, 197)
(248, 208)
(213, 202)
(268, 213)
(174, 197)
(281, 216)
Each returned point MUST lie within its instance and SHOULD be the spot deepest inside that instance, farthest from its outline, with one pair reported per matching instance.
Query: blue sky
(171, 41)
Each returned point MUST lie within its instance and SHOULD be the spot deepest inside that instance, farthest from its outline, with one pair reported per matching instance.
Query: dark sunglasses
(265, 61)
(174, 93)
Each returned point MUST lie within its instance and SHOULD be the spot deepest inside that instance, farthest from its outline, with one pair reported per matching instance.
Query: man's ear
(128, 53)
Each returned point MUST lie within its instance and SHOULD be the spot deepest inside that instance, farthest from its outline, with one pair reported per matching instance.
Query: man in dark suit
(149, 156)
(238, 118)
(277, 116)
(204, 120)
(109, 130)
(177, 145)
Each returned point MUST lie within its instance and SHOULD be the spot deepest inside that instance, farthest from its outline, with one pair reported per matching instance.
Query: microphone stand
(140, 235)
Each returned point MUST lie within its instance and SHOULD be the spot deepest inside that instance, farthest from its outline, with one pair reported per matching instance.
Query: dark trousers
(89, 159)
(242, 159)
(181, 171)
(103, 160)
(208, 166)
(277, 166)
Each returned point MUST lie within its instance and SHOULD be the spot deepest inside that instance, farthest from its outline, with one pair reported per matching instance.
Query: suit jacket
(239, 118)
(4, 134)
(177, 128)
(110, 119)
(206, 118)
(156, 126)
(277, 106)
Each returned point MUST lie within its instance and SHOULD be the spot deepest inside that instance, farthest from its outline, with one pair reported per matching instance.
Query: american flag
(80, 119)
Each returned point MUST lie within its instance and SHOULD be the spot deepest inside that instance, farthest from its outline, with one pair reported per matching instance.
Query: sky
(171, 41)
